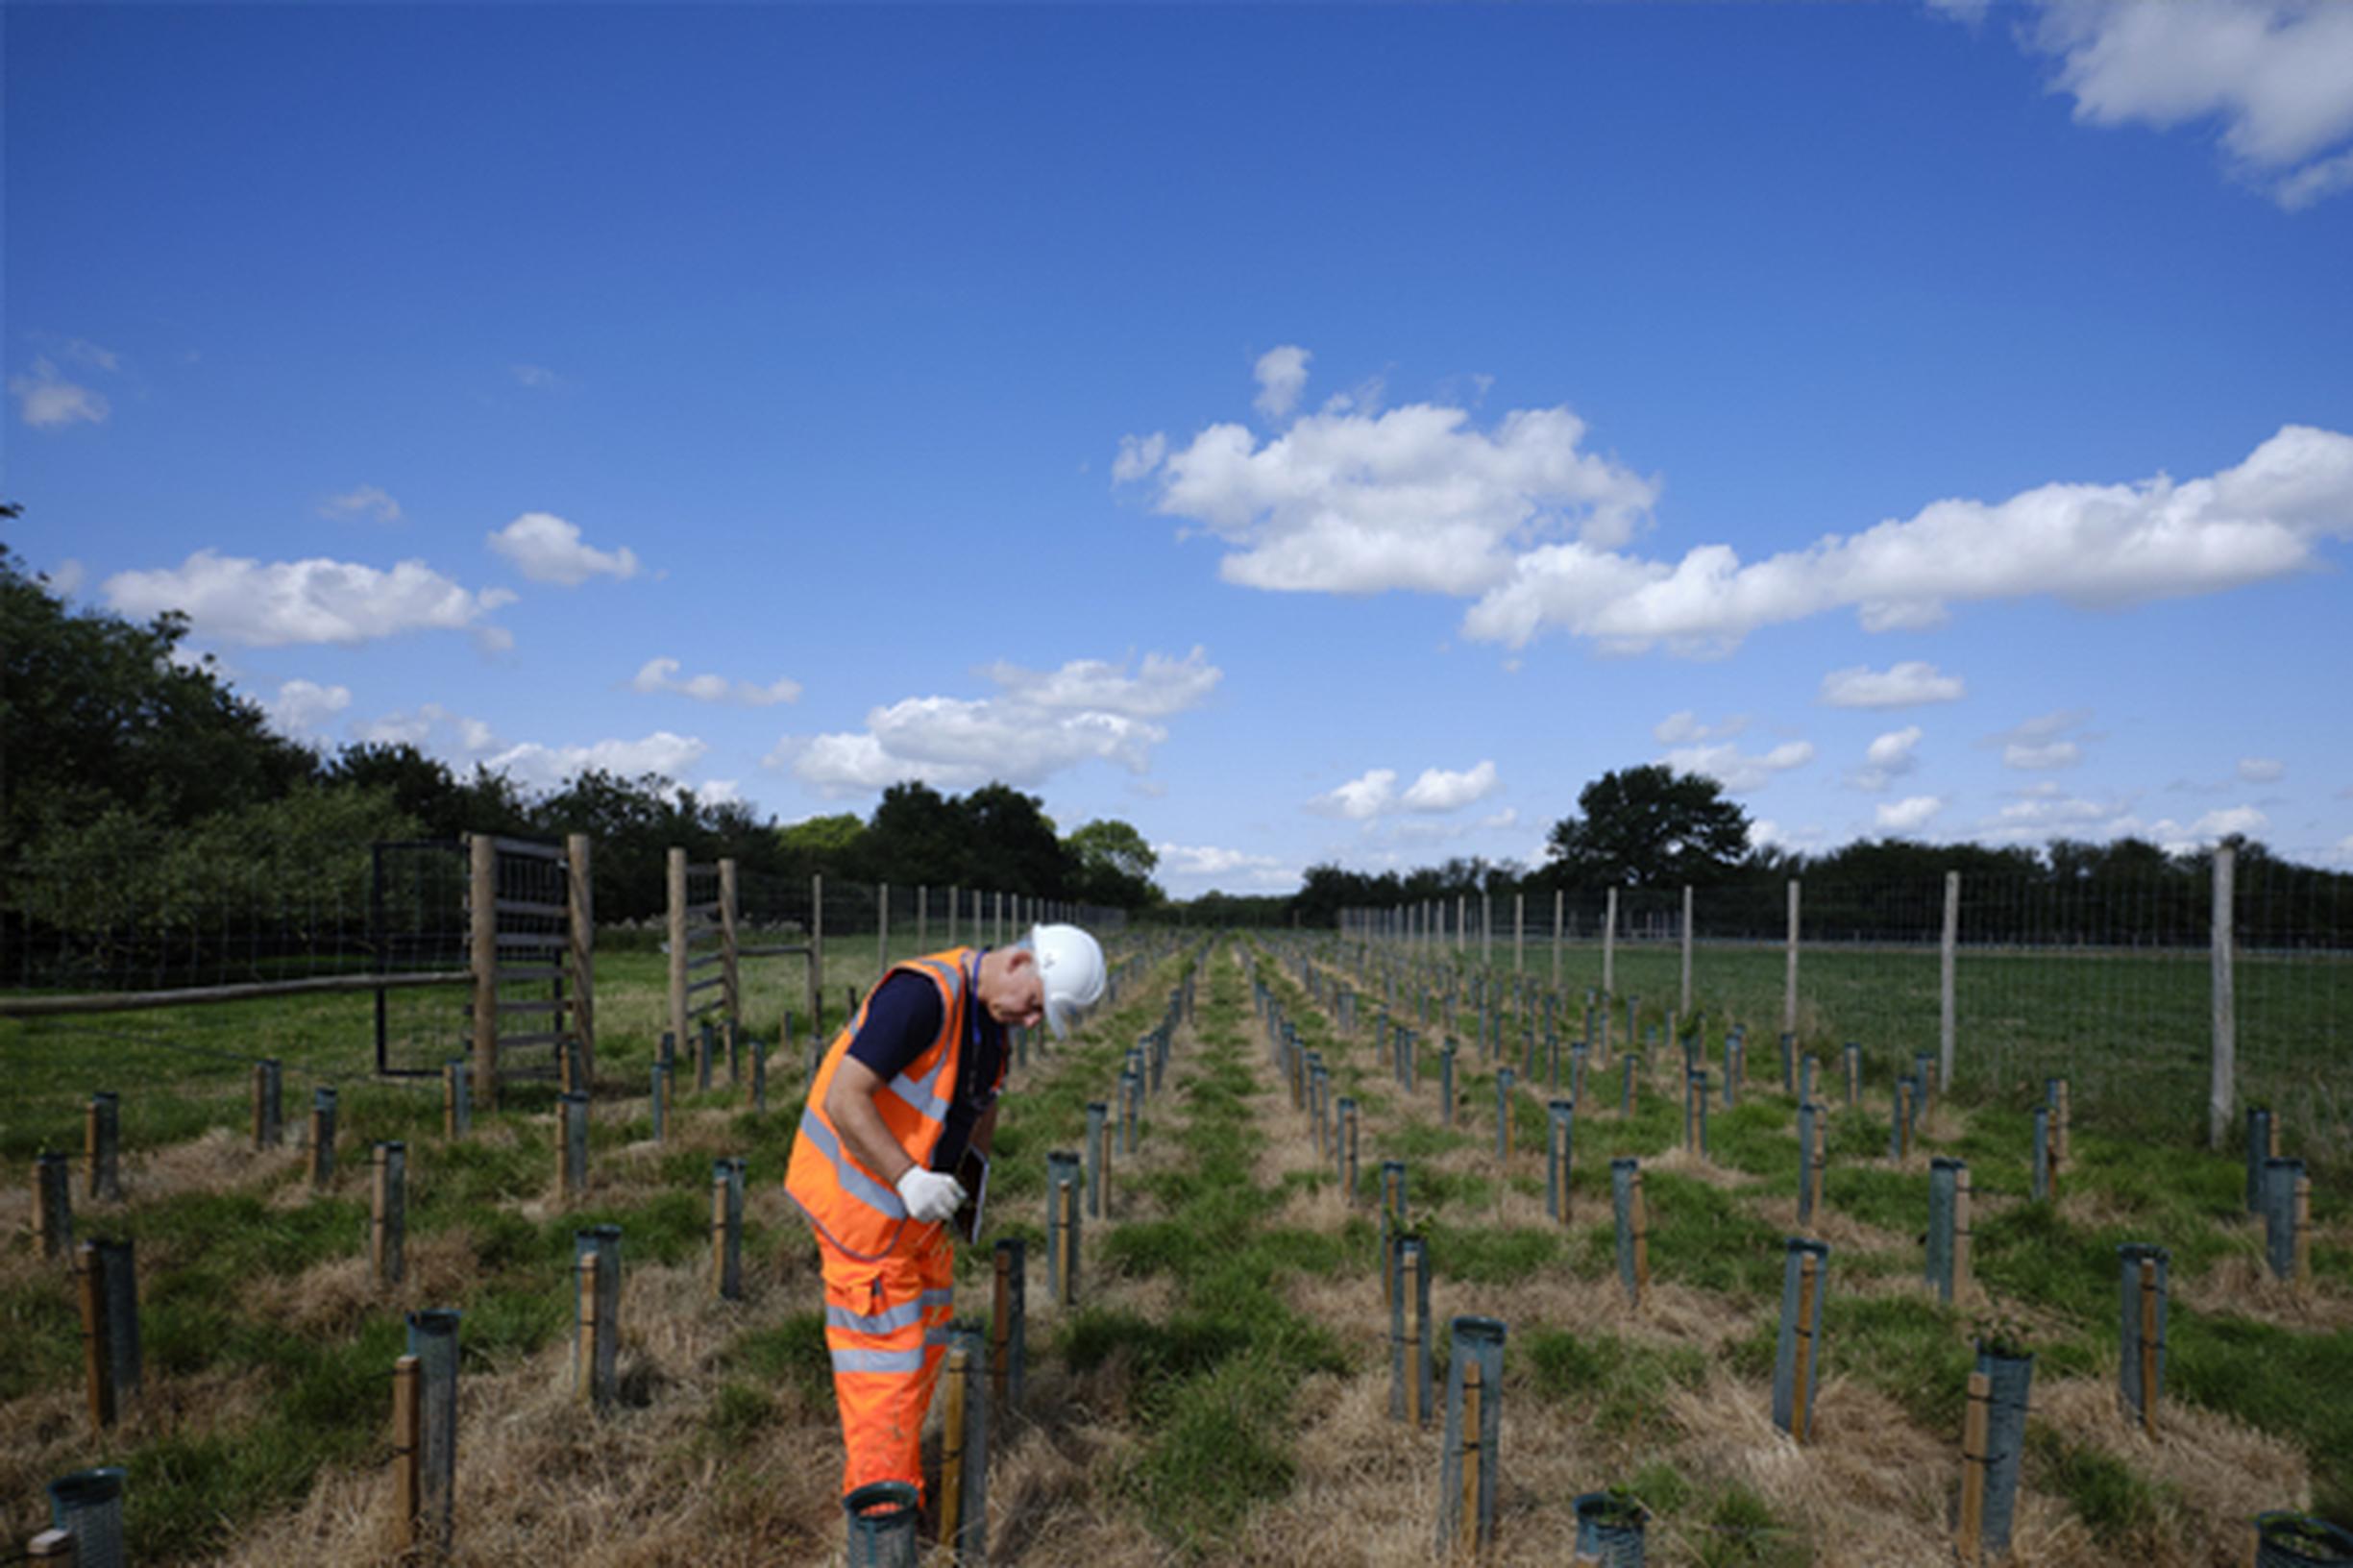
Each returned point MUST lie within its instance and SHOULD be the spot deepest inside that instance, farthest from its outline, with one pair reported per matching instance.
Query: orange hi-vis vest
(853, 1207)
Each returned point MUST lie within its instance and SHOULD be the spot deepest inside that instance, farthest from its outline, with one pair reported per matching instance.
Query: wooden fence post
(482, 940)
(674, 866)
(1949, 949)
(580, 908)
(730, 940)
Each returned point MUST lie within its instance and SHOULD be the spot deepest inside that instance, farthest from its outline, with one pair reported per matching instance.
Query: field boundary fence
(2170, 1001)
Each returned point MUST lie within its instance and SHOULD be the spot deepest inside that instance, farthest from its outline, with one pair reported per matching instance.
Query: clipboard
(973, 1172)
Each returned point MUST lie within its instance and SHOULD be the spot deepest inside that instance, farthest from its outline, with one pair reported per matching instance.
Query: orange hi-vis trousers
(886, 1325)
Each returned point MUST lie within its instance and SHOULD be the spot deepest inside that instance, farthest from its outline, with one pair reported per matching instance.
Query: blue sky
(1307, 433)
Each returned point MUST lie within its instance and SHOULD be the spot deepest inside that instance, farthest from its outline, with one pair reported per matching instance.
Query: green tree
(824, 836)
(1010, 844)
(101, 714)
(1648, 827)
(1115, 865)
(915, 837)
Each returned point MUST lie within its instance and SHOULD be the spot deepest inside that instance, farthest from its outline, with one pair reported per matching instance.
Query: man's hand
(929, 1195)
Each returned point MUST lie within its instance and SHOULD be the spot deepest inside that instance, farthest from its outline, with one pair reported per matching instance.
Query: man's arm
(850, 1105)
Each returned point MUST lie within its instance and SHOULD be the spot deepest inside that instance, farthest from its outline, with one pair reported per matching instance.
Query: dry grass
(2242, 1285)
(2221, 1472)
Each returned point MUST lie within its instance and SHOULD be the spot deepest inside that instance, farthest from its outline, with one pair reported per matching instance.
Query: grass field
(1221, 1392)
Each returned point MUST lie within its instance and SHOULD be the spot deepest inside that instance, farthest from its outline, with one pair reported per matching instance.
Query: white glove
(929, 1196)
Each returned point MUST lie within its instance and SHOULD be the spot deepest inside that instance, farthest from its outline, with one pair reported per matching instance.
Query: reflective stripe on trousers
(886, 1327)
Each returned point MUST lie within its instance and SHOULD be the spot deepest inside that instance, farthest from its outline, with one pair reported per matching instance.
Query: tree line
(126, 762)
(132, 773)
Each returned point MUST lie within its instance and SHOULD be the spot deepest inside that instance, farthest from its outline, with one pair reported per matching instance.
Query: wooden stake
(1804, 1369)
(2303, 1232)
(89, 1274)
(1062, 1240)
(951, 1449)
(1466, 1525)
(408, 1448)
(1973, 1467)
(2148, 1346)
(1001, 1331)
(1960, 1236)
(1410, 1281)
(719, 1236)
(1903, 1121)
(1638, 1215)
(584, 1346)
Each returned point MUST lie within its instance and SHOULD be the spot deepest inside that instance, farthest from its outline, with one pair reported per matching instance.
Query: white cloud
(1435, 791)
(1683, 728)
(546, 548)
(1439, 790)
(46, 400)
(1201, 862)
(2262, 770)
(1138, 456)
(536, 377)
(2276, 75)
(2176, 839)
(2046, 741)
(2090, 544)
(368, 499)
(429, 728)
(1360, 799)
(2042, 810)
(1899, 686)
(269, 604)
(1162, 687)
(1739, 772)
(65, 577)
(534, 766)
(1043, 722)
(1890, 757)
(1528, 526)
(1908, 813)
(1347, 501)
(719, 792)
(2028, 757)
(1281, 374)
(662, 675)
(303, 705)
(82, 352)
(1767, 834)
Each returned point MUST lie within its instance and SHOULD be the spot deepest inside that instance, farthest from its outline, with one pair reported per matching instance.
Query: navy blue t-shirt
(902, 1019)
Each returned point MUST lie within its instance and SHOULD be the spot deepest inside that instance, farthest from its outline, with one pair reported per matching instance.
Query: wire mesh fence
(2117, 983)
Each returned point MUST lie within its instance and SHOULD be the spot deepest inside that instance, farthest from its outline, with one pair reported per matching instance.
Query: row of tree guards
(86, 1506)
(1609, 1525)
(883, 1517)
(1998, 1389)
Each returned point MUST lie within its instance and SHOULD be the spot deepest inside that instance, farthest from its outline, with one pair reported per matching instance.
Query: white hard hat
(1071, 963)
